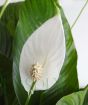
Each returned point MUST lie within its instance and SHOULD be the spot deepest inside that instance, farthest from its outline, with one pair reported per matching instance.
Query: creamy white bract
(46, 49)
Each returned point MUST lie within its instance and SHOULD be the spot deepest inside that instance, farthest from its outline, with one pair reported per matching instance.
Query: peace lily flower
(43, 55)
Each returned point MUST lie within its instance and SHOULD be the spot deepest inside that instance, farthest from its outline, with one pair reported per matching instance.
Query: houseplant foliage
(17, 24)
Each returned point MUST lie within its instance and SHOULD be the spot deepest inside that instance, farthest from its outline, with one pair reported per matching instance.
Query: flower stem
(30, 93)
(3, 8)
(79, 14)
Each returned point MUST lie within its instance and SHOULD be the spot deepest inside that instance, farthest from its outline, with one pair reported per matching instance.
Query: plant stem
(30, 93)
(3, 8)
(79, 14)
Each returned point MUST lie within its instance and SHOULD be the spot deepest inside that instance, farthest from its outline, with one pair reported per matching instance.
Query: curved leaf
(75, 98)
(68, 80)
(33, 14)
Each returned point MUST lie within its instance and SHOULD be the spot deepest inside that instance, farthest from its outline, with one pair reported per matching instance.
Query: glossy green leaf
(77, 98)
(68, 80)
(33, 14)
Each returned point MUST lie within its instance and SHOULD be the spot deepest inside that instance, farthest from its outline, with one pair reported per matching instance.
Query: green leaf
(6, 65)
(7, 30)
(77, 98)
(86, 98)
(5, 51)
(11, 16)
(5, 41)
(33, 14)
(68, 80)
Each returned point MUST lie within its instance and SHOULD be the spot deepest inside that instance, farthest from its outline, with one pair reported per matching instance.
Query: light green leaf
(77, 98)
(86, 98)
(68, 80)
(33, 14)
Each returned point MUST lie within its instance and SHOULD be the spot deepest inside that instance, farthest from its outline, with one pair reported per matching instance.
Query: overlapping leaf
(7, 29)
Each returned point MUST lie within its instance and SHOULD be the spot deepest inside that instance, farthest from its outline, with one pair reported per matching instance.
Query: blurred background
(80, 34)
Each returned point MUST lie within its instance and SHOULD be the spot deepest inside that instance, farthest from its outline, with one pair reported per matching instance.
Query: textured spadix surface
(46, 46)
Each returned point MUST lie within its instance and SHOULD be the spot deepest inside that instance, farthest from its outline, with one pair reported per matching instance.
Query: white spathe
(45, 46)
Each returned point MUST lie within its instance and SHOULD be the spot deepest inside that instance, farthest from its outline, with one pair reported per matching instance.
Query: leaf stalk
(79, 15)
(4, 8)
(30, 93)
